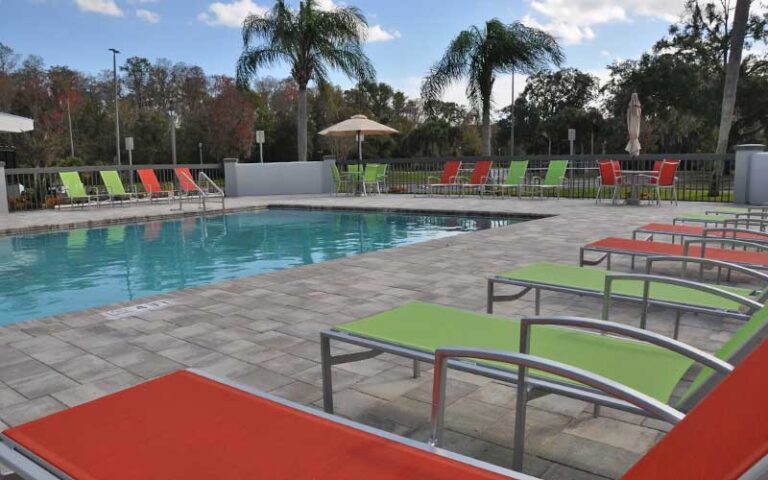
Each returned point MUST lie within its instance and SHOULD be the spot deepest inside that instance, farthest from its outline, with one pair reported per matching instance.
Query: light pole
(200, 149)
(172, 116)
(117, 110)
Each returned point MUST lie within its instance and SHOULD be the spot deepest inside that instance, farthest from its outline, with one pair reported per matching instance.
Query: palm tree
(312, 41)
(733, 67)
(480, 54)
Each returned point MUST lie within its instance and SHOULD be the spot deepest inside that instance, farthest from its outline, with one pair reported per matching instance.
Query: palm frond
(451, 67)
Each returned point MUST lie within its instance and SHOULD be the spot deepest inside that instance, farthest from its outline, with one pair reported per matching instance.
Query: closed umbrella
(359, 126)
(633, 125)
(15, 124)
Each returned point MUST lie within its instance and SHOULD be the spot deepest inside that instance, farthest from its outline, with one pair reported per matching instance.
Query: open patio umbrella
(633, 125)
(359, 126)
(15, 124)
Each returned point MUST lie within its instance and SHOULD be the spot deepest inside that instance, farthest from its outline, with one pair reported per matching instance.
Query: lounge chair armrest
(729, 241)
(680, 282)
(650, 261)
(524, 361)
(614, 328)
(726, 230)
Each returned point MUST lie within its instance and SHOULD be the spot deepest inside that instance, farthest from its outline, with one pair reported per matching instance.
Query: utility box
(746, 182)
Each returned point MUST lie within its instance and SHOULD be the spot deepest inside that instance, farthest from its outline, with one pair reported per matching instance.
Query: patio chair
(115, 189)
(665, 179)
(447, 180)
(479, 177)
(515, 178)
(553, 179)
(641, 360)
(341, 182)
(381, 177)
(663, 291)
(612, 246)
(371, 178)
(152, 186)
(187, 184)
(610, 179)
(75, 190)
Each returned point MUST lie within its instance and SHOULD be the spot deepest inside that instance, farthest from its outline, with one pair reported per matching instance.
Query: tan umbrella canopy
(15, 124)
(634, 113)
(356, 125)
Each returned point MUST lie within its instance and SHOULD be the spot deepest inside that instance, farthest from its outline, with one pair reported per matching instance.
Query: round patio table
(636, 179)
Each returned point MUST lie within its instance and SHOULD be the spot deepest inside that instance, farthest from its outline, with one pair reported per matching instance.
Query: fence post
(3, 191)
(741, 175)
(230, 177)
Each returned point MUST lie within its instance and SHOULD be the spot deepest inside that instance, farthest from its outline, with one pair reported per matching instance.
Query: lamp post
(512, 118)
(200, 150)
(117, 110)
(172, 117)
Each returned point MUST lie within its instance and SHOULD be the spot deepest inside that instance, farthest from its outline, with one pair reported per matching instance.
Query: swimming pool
(53, 273)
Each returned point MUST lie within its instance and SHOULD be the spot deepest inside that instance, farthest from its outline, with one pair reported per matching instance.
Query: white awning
(15, 124)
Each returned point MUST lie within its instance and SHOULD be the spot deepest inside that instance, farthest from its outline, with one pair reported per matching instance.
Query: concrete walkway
(263, 331)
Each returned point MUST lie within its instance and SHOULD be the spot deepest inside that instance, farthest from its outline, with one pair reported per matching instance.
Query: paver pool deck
(263, 331)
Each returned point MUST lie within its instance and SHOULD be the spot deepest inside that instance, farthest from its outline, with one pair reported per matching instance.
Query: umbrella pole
(360, 163)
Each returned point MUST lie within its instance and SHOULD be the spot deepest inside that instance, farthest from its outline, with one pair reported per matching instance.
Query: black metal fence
(39, 188)
(700, 177)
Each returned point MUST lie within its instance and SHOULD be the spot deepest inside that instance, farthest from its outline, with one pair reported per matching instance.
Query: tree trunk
(301, 119)
(71, 137)
(738, 32)
(487, 126)
(740, 19)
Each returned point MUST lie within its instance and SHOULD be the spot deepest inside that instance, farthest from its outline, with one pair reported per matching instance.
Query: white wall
(285, 178)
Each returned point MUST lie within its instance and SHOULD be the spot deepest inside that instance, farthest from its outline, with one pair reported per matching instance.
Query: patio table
(635, 178)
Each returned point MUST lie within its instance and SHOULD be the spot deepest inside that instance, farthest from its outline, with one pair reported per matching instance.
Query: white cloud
(134, 2)
(148, 16)
(104, 7)
(376, 33)
(327, 5)
(231, 14)
(573, 21)
(605, 53)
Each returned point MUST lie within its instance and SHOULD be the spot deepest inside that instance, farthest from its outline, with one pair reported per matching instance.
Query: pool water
(54, 273)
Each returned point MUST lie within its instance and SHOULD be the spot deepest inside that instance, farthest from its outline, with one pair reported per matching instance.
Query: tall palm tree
(312, 41)
(479, 54)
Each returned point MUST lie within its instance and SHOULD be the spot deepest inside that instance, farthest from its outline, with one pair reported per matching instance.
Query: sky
(405, 36)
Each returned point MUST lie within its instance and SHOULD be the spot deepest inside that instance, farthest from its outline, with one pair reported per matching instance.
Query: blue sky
(406, 37)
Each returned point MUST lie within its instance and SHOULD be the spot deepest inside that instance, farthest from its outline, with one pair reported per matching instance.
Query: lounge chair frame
(30, 466)
(705, 233)
(645, 300)
(536, 386)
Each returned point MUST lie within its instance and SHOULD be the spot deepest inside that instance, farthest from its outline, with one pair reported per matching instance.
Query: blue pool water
(54, 273)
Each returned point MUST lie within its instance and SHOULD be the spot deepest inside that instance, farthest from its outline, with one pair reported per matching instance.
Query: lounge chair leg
(325, 356)
(416, 369)
(608, 261)
(519, 439)
(596, 411)
(537, 301)
(678, 314)
(489, 299)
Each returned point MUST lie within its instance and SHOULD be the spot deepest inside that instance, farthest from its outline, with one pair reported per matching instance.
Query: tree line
(680, 81)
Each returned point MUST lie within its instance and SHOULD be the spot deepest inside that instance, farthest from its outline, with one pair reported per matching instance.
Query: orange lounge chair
(642, 248)
(186, 181)
(479, 177)
(448, 179)
(192, 426)
(690, 231)
(152, 185)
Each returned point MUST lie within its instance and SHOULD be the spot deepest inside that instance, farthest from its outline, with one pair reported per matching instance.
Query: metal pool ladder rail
(210, 190)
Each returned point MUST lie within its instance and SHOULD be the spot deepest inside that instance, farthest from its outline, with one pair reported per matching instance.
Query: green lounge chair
(75, 190)
(644, 361)
(381, 177)
(666, 292)
(736, 210)
(115, 188)
(719, 219)
(515, 178)
(553, 180)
